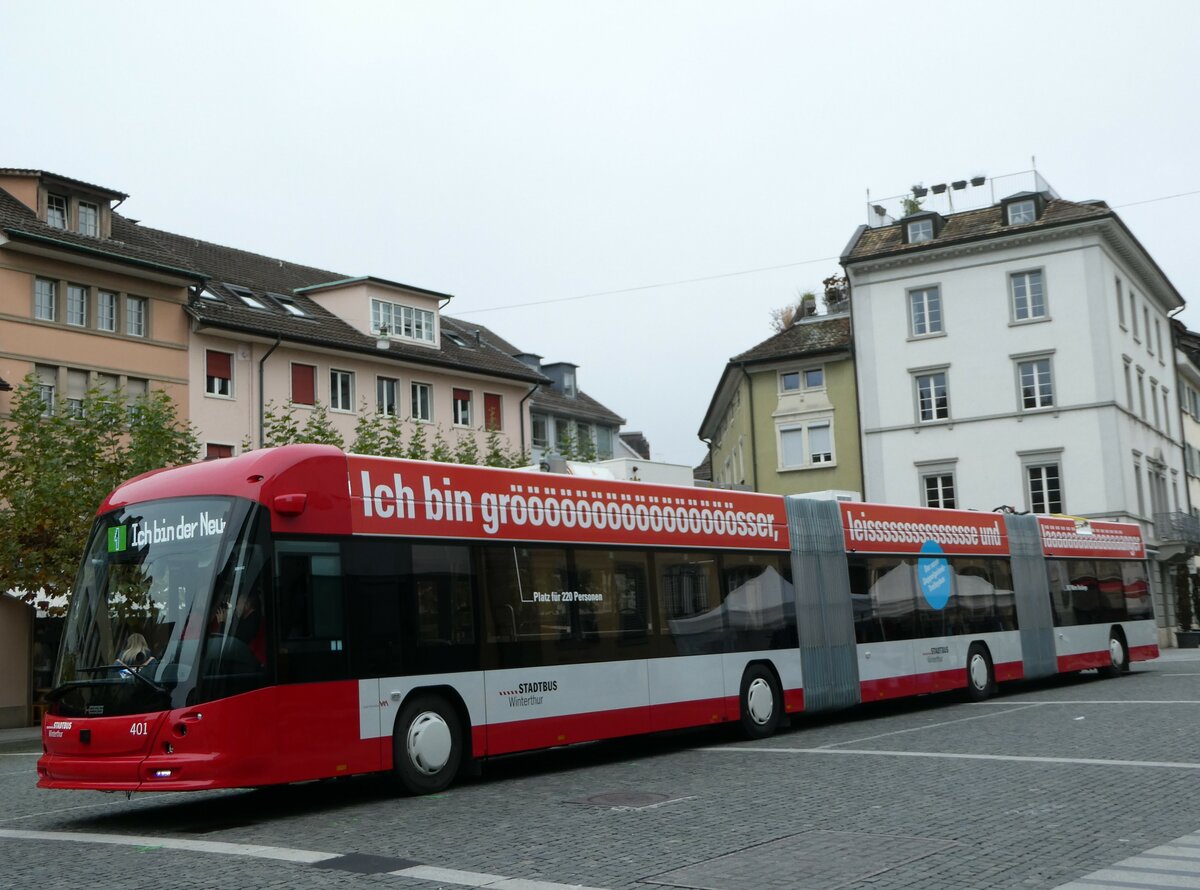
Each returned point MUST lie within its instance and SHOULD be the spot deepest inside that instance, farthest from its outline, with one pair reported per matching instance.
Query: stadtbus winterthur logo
(118, 538)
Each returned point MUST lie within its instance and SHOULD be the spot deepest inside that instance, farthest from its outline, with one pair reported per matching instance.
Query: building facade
(783, 418)
(1020, 356)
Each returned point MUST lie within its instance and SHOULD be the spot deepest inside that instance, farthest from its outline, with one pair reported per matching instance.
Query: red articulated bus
(299, 613)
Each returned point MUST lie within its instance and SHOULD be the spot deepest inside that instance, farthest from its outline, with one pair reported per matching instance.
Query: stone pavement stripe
(1180, 852)
(1162, 864)
(1076, 761)
(256, 850)
(1139, 878)
(933, 725)
(286, 854)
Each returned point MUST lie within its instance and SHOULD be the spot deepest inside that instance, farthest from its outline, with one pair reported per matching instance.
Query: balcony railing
(1177, 528)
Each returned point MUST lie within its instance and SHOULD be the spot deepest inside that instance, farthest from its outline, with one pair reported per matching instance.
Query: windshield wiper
(123, 666)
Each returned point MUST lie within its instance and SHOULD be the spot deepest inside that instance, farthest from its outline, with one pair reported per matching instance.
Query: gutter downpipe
(262, 405)
(521, 411)
(753, 438)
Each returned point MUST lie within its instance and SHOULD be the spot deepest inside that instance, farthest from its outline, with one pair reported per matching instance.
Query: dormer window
(1022, 212)
(56, 211)
(569, 383)
(920, 230)
(88, 222)
(402, 321)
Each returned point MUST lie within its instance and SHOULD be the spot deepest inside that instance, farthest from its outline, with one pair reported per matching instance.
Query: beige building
(92, 299)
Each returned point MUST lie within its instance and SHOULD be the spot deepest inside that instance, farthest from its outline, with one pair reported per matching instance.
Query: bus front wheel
(427, 745)
(762, 702)
(980, 677)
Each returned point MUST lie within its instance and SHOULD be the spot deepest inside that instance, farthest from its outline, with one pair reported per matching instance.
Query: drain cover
(816, 860)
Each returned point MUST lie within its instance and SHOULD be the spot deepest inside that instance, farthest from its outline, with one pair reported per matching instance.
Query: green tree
(319, 429)
(418, 447)
(59, 465)
(495, 453)
(280, 426)
(441, 450)
(466, 449)
(370, 432)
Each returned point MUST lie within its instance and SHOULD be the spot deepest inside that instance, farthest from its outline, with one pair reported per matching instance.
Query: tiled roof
(91, 186)
(263, 276)
(582, 406)
(970, 225)
(129, 242)
(816, 334)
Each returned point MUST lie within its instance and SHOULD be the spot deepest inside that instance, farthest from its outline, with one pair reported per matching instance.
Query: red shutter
(215, 452)
(220, 364)
(492, 419)
(462, 395)
(304, 384)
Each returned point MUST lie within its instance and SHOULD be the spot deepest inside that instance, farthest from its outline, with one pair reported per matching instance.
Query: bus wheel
(427, 745)
(1118, 659)
(762, 702)
(980, 678)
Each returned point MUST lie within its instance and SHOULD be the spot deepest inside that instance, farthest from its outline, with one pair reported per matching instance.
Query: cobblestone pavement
(1081, 780)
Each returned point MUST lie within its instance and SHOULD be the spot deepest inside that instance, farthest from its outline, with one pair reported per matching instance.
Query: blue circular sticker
(933, 575)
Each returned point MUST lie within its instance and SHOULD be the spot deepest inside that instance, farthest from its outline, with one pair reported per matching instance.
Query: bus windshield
(144, 604)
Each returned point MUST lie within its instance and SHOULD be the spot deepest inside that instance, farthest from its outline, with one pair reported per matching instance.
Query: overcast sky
(539, 153)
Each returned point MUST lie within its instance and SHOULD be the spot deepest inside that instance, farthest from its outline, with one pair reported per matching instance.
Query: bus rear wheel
(1118, 658)
(761, 702)
(981, 679)
(427, 745)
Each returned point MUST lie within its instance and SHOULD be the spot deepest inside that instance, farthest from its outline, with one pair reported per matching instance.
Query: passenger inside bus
(246, 623)
(136, 653)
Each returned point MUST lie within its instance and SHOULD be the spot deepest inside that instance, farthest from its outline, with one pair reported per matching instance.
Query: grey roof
(90, 186)
(264, 276)
(815, 334)
(582, 406)
(970, 225)
(129, 243)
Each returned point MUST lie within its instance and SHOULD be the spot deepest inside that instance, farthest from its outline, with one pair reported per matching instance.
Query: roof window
(1023, 208)
(924, 226)
(246, 296)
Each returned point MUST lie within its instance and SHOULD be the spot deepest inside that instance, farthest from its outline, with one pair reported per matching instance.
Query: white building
(1020, 355)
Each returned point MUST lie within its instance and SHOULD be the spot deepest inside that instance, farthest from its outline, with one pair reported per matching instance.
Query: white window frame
(338, 400)
(1041, 462)
(1036, 371)
(930, 301)
(1026, 279)
(1022, 212)
(47, 384)
(939, 471)
(462, 409)
(920, 231)
(87, 219)
(421, 401)
(931, 375)
(784, 381)
(1120, 305)
(544, 440)
(798, 435)
(403, 322)
(77, 312)
(53, 211)
(107, 302)
(212, 385)
(45, 296)
(137, 316)
(381, 386)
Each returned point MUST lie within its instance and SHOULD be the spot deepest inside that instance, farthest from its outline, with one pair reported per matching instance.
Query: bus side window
(311, 612)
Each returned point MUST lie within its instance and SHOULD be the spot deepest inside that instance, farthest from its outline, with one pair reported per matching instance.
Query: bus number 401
(142, 728)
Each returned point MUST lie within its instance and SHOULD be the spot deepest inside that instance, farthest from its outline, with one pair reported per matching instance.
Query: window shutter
(491, 412)
(304, 384)
(220, 364)
(462, 395)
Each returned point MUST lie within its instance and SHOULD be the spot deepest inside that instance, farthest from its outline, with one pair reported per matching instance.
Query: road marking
(1149, 701)
(478, 879)
(868, 738)
(286, 854)
(258, 851)
(1077, 761)
(1174, 864)
(24, 754)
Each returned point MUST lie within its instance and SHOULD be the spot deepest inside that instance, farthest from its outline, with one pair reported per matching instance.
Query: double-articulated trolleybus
(299, 613)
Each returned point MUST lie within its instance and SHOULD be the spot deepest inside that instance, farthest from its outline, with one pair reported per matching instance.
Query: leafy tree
(319, 429)
(466, 449)
(418, 448)
(495, 453)
(280, 426)
(58, 466)
(441, 450)
(370, 434)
